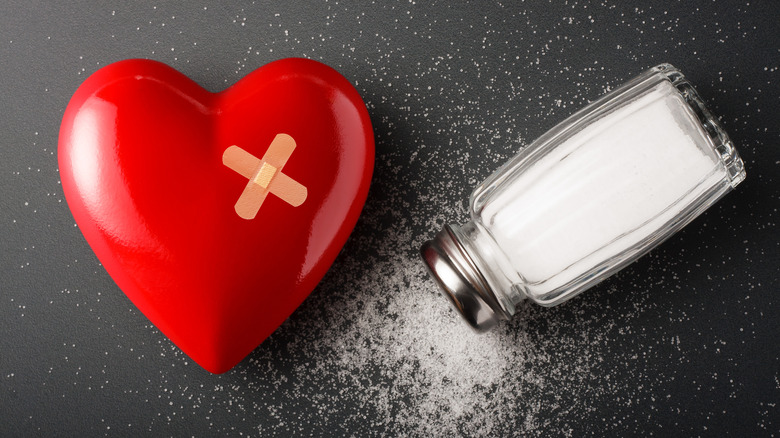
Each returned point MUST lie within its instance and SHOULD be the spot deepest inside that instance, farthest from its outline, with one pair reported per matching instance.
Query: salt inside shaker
(586, 199)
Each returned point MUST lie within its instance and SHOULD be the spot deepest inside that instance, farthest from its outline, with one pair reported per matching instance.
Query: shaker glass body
(587, 198)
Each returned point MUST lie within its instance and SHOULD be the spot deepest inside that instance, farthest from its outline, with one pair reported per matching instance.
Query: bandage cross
(265, 176)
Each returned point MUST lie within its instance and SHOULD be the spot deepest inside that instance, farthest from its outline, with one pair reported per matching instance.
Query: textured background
(684, 342)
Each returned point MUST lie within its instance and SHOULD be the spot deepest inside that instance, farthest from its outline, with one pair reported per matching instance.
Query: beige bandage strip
(265, 176)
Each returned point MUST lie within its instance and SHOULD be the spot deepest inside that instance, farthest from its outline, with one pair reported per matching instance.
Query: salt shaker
(586, 199)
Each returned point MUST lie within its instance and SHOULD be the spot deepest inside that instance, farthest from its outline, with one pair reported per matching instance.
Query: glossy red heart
(147, 172)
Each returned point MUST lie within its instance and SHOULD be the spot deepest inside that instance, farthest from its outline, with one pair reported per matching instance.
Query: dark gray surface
(682, 343)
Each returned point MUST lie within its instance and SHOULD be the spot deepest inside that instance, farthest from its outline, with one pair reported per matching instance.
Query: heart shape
(216, 213)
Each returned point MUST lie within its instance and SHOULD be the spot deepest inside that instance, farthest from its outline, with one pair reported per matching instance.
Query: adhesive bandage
(265, 176)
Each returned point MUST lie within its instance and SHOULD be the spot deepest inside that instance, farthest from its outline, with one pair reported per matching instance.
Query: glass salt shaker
(586, 199)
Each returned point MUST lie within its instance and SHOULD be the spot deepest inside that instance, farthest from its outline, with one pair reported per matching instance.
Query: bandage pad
(265, 176)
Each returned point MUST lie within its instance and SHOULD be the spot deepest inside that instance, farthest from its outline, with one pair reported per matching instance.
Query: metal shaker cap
(453, 268)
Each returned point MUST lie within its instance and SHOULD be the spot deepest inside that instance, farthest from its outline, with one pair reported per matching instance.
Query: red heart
(141, 153)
